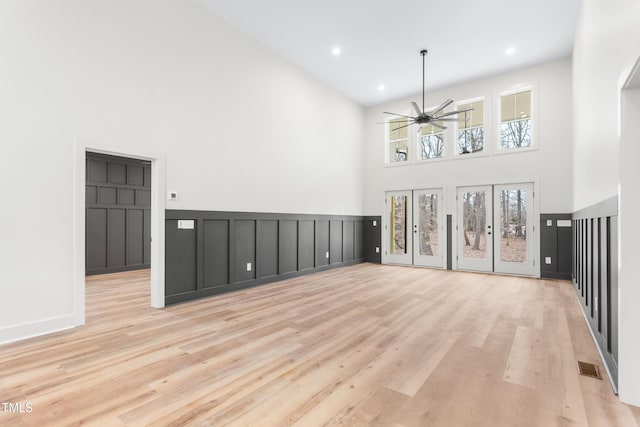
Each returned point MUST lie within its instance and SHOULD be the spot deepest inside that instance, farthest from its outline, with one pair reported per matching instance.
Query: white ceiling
(381, 40)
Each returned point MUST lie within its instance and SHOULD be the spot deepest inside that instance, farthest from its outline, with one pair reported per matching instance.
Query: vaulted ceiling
(380, 41)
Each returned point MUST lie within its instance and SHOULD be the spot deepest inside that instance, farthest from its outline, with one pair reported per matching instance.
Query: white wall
(241, 129)
(608, 33)
(550, 164)
(607, 45)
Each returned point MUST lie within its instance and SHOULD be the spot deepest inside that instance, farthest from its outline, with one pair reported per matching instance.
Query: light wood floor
(358, 346)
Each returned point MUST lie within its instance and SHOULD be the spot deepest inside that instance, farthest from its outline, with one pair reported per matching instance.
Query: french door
(414, 228)
(495, 228)
(513, 219)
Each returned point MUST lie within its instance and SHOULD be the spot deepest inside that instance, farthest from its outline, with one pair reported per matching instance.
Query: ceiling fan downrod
(423, 52)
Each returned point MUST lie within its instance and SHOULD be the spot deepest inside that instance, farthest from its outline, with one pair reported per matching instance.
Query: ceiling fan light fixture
(433, 118)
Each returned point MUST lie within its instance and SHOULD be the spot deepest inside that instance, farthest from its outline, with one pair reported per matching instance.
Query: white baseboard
(38, 328)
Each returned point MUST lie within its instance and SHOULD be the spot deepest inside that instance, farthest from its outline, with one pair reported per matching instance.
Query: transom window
(398, 140)
(431, 142)
(515, 120)
(471, 131)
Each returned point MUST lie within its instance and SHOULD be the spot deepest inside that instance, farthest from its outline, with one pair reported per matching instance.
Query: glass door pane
(398, 221)
(398, 240)
(475, 240)
(428, 228)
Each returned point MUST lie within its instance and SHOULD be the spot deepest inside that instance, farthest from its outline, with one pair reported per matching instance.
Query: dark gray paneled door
(118, 214)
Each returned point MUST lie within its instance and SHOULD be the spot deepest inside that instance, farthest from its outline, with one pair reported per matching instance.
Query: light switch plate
(549, 223)
(377, 249)
(248, 266)
(375, 223)
(186, 224)
(326, 255)
(547, 260)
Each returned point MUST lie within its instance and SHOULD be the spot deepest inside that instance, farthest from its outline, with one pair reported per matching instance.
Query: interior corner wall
(551, 164)
(241, 130)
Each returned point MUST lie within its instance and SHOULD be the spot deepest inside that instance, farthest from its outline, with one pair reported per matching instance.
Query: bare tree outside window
(431, 146)
(516, 134)
(470, 140)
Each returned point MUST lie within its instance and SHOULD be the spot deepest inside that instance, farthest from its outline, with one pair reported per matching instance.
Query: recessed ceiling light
(336, 51)
(381, 88)
(510, 51)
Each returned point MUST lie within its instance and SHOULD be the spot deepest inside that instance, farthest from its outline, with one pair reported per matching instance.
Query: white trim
(38, 328)
(158, 174)
(535, 143)
(628, 290)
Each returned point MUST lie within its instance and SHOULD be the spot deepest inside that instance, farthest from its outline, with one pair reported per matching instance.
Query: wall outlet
(549, 223)
(375, 223)
(377, 249)
(326, 255)
(547, 260)
(172, 195)
(248, 266)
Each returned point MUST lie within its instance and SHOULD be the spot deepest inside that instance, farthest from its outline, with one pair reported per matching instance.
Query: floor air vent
(589, 370)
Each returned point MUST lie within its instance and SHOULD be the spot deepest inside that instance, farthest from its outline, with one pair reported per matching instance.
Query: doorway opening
(155, 219)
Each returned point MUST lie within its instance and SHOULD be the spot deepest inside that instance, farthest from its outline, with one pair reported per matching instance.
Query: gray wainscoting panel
(288, 246)
(97, 234)
(267, 263)
(306, 245)
(335, 242)
(373, 239)
(595, 260)
(556, 245)
(215, 252)
(118, 173)
(118, 214)
(117, 237)
(245, 243)
(180, 259)
(613, 272)
(135, 234)
(359, 239)
(212, 257)
(322, 242)
(348, 240)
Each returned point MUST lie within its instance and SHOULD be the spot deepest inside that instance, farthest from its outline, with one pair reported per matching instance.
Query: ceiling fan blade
(401, 127)
(451, 113)
(399, 115)
(442, 106)
(452, 119)
(417, 109)
(437, 125)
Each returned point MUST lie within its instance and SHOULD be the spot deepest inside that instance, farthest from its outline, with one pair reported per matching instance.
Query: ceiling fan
(435, 117)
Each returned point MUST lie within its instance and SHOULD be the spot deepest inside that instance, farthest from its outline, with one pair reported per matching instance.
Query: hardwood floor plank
(366, 345)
